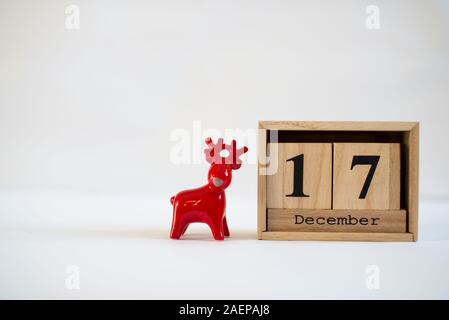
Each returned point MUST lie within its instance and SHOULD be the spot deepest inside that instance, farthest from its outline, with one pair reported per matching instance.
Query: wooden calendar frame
(405, 133)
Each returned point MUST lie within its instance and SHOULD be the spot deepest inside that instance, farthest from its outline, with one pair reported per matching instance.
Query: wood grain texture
(384, 189)
(411, 146)
(261, 182)
(337, 236)
(338, 125)
(317, 179)
(378, 221)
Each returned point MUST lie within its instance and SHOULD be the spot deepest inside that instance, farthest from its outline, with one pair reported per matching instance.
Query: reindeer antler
(213, 153)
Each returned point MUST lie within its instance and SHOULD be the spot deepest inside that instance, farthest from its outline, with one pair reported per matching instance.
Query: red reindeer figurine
(207, 204)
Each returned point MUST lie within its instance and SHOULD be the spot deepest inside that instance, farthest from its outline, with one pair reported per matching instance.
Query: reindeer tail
(172, 199)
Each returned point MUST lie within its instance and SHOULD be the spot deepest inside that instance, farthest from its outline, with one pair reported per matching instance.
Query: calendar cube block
(366, 176)
(303, 179)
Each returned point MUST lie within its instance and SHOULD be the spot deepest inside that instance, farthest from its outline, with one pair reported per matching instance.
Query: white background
(86, 118)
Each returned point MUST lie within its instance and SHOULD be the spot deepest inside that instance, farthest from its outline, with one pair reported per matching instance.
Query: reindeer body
(200, 205)
(207, 204)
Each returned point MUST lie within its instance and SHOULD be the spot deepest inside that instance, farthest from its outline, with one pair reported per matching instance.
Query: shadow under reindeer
(133, 233)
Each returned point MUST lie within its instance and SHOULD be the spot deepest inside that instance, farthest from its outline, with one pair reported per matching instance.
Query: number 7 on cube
(366, 176)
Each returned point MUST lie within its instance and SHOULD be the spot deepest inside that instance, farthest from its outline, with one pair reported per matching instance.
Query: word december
(347, 220)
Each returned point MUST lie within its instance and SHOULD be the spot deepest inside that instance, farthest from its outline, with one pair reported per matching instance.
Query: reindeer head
(220, 172)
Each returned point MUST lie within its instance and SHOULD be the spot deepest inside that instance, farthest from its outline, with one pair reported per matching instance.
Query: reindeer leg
(217, 229)
(176, 231)
(225, 227)
(178, 227)
(185, 228)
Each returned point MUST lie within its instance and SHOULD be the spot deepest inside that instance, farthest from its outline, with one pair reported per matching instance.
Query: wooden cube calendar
(338, 181)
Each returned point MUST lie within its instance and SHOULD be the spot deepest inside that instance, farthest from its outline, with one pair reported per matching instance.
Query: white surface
(122, 249)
